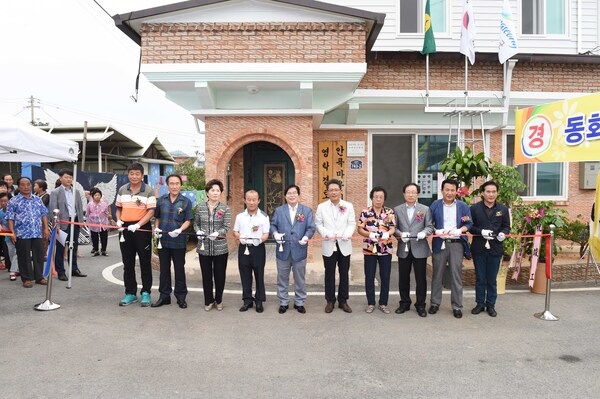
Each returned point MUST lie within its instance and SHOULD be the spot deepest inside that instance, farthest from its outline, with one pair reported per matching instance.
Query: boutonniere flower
(465, 219)
(300, 217)
(419, 216)
(179, 210)
(254, 228)
(342, 209)
(499, 213)
(219, 214)
(138, 201)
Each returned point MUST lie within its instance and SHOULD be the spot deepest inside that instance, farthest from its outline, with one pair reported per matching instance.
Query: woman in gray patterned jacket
(211, 223)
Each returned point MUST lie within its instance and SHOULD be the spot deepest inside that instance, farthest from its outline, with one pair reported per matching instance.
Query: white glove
(421, 235)
(345, 237)
(455, 233)
(501, 236)
(120, 225)
(487, 234)
(385, 236)
(404, 236)
(439, 232)
(256, 242)
(175, 233)
(278, 237)
(157, 230)
(243, 241)
(303, 241)
(213, 236)
(373, 236)
(133, 227)
(200, 233)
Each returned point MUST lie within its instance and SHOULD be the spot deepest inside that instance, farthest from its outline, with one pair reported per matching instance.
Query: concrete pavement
(92, 348)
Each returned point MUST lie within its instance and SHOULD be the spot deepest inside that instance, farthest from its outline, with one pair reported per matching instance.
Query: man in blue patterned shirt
(173, 215)
(27, 219)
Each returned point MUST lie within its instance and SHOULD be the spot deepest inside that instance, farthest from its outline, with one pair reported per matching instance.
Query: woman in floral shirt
(98, 212)
(211, 223)
(377, 224)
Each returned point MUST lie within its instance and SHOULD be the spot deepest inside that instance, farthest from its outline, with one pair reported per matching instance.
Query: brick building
(298, 91)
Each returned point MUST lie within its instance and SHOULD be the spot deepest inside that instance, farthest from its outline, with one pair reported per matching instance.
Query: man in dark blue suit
(491, 223)
(452, 219)
(292, 226)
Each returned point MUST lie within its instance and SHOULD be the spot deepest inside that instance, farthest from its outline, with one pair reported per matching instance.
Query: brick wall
(290, 42)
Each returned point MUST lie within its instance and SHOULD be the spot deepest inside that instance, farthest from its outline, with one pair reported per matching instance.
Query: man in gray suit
(68, 204)
(292, 225)
(336, 223)
(413, 225)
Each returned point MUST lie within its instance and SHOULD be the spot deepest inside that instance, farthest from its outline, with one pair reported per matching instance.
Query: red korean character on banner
(537, 136)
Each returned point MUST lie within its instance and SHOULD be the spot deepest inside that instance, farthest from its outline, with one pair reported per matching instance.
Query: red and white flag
(467, 32)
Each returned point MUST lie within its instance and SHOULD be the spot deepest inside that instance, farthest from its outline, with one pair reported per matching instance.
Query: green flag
(429, 41)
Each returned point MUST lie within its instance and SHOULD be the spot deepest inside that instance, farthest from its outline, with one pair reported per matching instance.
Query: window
(543, 17)
(432, 149)
(411, 15)
(542, 179)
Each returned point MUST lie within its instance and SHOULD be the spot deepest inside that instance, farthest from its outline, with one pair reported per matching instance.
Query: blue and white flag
(467, 32)
(508, 38)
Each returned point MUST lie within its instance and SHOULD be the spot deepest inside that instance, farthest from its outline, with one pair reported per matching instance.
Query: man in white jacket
(336, 223)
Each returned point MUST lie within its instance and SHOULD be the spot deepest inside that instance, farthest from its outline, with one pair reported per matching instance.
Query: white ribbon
(443, 245)
(202, 246)
(281, 246)
(487, 244)
(246, 252)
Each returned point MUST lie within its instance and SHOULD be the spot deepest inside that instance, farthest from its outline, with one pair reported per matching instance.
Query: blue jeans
(385, 269)
(486, 272)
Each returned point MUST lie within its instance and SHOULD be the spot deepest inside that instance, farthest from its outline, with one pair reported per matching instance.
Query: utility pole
(32, 105)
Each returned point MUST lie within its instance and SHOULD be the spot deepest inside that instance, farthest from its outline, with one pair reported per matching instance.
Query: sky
(69, 55)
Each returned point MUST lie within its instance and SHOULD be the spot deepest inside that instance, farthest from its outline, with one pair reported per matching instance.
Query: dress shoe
(42, 281)
(182, 304)
(477, 309)
(345, 307)
(457, 313)
(259, 307)
(421, 312)
(161, 301)
(491, 311)
(283, 309)
(433, 309)
(62, 277)
(329, 307)
(300, 309)
(77, 273)
(245, 307)
(400, 310)
(27, 283)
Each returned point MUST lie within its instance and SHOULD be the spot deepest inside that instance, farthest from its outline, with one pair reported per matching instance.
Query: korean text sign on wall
(561, 131)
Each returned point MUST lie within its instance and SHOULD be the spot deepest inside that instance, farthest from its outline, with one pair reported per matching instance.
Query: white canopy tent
(22, 142)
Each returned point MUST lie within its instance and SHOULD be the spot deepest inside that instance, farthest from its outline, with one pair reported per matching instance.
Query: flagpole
(466, 82)
(427, 80)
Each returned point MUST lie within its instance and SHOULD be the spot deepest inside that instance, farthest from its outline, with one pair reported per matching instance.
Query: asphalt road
(92, 348)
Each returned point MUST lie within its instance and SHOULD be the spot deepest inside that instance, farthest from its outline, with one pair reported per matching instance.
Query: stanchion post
(48, 304)
(546, 314)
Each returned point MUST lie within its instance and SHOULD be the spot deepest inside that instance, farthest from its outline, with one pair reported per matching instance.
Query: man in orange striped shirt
(135, 207)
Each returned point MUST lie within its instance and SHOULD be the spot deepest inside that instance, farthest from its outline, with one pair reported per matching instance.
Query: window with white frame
(411, 16)
(543, 17)
(542, 179)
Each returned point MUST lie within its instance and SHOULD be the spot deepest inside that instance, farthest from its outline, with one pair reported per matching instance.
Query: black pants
(137, 243)
(343, 263)
(101, 236)
(59, 256)
(30, 256)
(213, 267)
(177, 256)
(254, 262)
(419, 265)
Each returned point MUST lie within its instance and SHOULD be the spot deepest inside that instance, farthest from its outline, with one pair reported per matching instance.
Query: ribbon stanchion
(48, 304)
(546, 314)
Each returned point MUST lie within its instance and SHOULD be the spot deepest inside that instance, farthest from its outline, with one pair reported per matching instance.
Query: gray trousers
(452, 257)
(283, 281)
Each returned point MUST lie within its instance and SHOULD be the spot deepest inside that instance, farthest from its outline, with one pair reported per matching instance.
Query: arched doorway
(268, 169)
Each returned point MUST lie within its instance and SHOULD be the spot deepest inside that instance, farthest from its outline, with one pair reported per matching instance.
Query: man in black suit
(491, 223)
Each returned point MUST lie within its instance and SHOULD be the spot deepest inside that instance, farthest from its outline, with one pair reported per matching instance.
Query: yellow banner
(563, 131)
